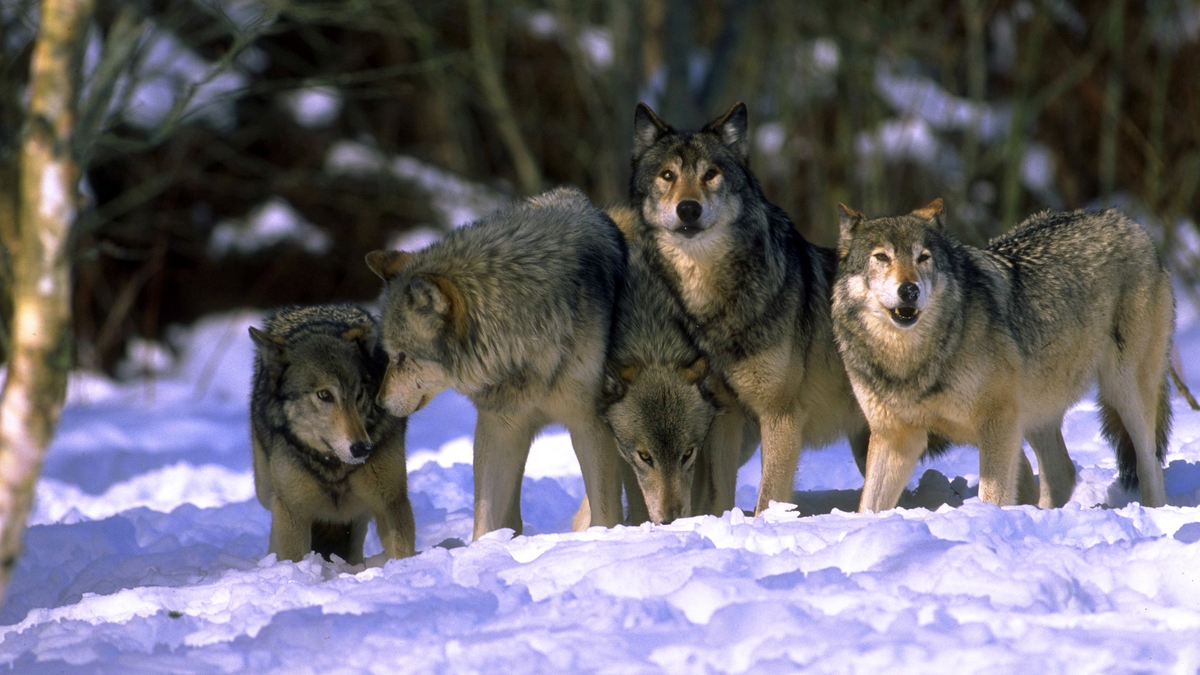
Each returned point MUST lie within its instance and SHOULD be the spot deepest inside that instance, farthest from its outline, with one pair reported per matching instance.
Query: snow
(147, 552)
(313, 107)
(273, 222)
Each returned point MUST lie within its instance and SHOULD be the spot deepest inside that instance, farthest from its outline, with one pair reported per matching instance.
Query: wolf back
(757, 291)
(987, 346)
(514, 312)
(326, 458)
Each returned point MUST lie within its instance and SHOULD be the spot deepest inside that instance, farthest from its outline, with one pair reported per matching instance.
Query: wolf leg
(780, 454)
(892, 455)
(999, 460)
(501, 448)
(859, 442)
(635, 501)
(725, 441)
(1054, 464)
(1027, 485)
(291, 533)
(597, 452)
(397, 529)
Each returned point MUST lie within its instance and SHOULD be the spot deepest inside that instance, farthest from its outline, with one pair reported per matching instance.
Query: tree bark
(32, 398)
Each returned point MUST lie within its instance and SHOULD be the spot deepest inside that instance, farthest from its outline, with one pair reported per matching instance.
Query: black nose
(689, 210)
(360, 449)
(909, 292)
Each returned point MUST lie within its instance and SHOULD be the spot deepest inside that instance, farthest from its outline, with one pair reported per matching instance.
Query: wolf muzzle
(689, 212)
(905, 314)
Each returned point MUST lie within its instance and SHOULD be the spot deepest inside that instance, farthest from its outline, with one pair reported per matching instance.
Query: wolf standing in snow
(326, 457)
(988, 346)
(514, 312)
(757, 292)
(680, 432)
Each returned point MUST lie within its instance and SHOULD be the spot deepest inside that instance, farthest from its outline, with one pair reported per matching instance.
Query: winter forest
(170, 171)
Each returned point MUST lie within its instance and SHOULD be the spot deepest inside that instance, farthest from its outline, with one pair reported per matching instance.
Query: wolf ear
(387, 264)
(272, 347)
(695, 371)
(935, 211)
(364, 334)
(441, 296)
(647, 129)
(848, 220)
(733, 129)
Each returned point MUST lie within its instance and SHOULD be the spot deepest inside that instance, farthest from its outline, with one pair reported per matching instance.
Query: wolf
(986, 346)
(514, 311)
(756, 292)
(326, 457)
(679, 430)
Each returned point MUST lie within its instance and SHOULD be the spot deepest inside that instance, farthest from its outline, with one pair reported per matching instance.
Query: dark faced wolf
(514, 312)
(678, 429)
(326, 457)
(756, 292)
(988, 346)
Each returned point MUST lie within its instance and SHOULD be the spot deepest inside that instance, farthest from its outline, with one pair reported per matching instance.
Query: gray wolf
(513, 311)
(326, 458)
(757, 293)
(680, 432)
(986, 346)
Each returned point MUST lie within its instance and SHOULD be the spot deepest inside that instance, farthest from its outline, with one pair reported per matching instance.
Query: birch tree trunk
(32, 398)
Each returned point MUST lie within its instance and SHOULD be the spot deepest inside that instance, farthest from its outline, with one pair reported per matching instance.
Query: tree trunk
(33, 393)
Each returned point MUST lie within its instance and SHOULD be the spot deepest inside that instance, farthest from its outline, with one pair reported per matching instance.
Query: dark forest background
(248, 153)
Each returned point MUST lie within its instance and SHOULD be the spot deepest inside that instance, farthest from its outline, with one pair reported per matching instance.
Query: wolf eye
(325, 395)
(883, 258)
(711, 174)
(923, 257)
(668, 176)
(645, 457)
(688, 455)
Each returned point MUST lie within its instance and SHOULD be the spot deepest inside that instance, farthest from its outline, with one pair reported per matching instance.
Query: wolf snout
(360, 449)
(909, 292)
(689, 211)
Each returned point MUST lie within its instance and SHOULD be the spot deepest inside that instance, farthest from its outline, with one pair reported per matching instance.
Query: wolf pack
(675, 333)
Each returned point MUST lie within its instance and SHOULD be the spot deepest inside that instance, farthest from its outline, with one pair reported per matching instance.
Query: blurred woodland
(250, 152)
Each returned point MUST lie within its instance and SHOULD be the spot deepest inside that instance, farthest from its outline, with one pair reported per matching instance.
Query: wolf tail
(1114, 430)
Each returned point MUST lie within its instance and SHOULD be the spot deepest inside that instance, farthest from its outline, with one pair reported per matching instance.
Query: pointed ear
(387, 264)
(364, 334)
(848, 220)
(272, 347)
(935, 211)
(695, 371)
(733, 129)
(613, 387)
(647, 129)
(628, 373)
(443, 297)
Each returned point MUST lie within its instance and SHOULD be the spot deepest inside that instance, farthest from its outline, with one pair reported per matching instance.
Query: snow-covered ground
(147, 552)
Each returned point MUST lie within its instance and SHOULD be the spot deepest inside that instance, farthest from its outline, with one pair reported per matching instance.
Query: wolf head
(325, 385)
(421, 313)
(688, 184)
(894, 267)
(661, 416)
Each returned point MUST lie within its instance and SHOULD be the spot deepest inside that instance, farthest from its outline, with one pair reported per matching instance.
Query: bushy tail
(1118, 437)
(331, 538)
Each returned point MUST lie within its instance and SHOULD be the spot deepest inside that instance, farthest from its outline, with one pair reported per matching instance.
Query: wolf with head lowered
(326, 457)
(989, 346)
(757, 294)
(514, 312)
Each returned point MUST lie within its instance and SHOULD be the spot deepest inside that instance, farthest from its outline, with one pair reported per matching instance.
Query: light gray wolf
(757, 293)
(986, 346)
(513, 311)
(682, 434)
(326, 457)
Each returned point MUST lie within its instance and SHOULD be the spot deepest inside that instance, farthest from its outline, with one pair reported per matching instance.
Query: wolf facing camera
(756, 292)
(326, 457)
(986, 346)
